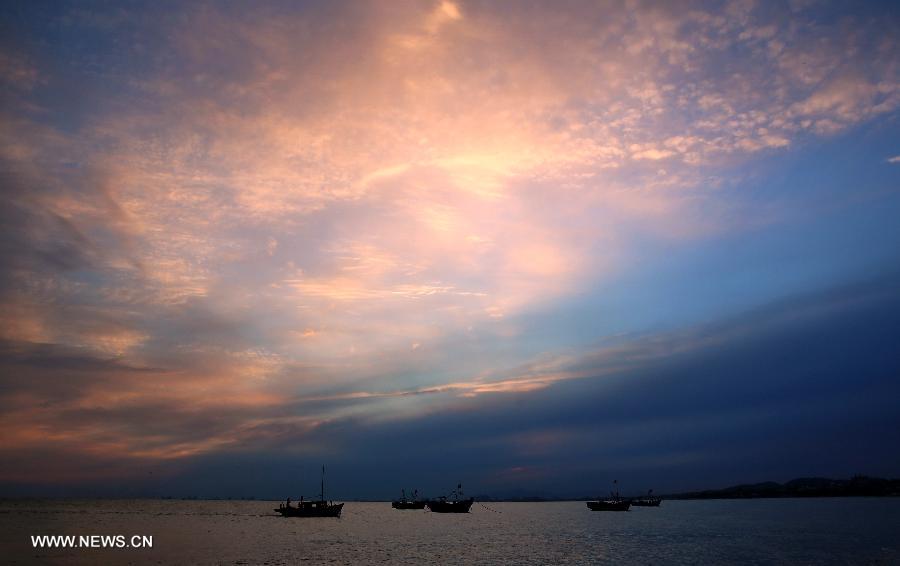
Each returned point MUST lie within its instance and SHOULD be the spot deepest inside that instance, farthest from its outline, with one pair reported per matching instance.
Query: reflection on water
(849, 530)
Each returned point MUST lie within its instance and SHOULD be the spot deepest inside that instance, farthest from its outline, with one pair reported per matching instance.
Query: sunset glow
(324, 231)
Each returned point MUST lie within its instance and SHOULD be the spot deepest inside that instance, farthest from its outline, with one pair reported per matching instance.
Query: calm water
(762, 531)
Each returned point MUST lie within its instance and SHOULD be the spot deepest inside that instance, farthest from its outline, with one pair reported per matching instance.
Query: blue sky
(562, 244)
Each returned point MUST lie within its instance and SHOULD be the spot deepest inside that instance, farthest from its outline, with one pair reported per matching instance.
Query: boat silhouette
(405, 503)
(614, 503)
(316, 508)
(647, 501)
(453, 504)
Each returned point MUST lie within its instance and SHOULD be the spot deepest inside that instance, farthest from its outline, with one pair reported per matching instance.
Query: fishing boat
(609, 505)
(647, 501)
(405, 503)
(452, 504)
(318, 508)
(614, 503)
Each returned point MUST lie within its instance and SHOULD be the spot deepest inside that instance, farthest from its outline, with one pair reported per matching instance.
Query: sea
(757, 531)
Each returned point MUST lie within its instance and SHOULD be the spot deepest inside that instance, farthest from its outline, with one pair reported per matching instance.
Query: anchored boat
(452, 504)
(405, 503)
(609, 505)
(648, 501)
(614, 503)
(318, 508)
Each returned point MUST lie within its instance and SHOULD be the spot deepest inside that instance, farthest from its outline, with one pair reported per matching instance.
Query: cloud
(650, 394)
(263, 212)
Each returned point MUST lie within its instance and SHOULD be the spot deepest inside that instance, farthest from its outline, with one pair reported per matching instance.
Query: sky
(532, 247)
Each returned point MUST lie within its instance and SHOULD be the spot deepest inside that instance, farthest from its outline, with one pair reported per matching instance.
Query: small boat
(319, 508)
(444, 504)
(614, 503)
(609, 505)
(404, 503)
(648, 501)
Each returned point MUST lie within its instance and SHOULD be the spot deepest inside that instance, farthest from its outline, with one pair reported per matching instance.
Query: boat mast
(322, 492)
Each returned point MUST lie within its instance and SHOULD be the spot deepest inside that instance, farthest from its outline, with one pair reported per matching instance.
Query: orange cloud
(326, 191)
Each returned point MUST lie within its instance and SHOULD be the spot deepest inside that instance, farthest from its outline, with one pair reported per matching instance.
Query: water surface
(762, 531)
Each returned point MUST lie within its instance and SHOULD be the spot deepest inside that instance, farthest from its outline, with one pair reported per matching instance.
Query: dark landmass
(801, 487)
(857, 486)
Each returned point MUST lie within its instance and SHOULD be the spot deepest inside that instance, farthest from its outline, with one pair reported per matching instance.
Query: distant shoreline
(857, 486)
(676, 497)
(800, 488)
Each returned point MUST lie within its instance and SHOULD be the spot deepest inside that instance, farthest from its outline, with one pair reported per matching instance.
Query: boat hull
(312, 510)
(438, 506)
(408, 504)
(608, 505)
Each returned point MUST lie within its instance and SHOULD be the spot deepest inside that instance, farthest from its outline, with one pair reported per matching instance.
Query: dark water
(762, 531)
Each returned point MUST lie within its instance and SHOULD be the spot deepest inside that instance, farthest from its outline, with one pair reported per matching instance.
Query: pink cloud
(344, 189)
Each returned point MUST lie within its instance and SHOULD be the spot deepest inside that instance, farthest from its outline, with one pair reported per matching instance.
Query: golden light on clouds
(269, 208)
